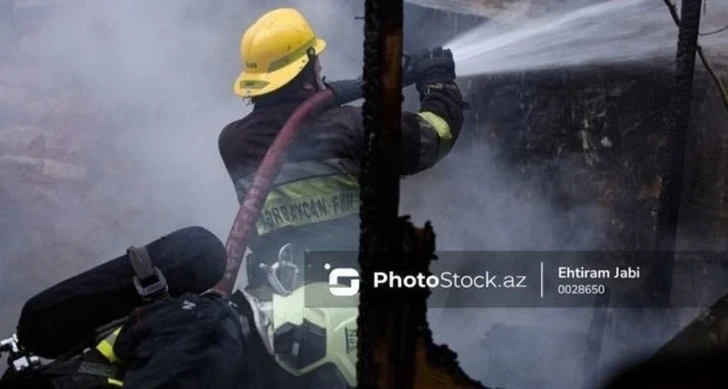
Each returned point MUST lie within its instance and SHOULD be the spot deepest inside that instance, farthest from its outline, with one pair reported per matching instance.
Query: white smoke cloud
(157, 76)
(160, 73)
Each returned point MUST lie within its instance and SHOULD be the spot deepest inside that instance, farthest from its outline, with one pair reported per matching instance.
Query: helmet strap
(311, 53)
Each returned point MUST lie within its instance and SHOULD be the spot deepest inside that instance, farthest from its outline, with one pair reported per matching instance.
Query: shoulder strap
(79, 365)
(149, 280)
(253, 343)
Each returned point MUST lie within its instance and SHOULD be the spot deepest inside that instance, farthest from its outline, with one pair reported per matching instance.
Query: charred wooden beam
(395, 348)
(672, 185)
(677, 144)
(379, 244)
(405, 333)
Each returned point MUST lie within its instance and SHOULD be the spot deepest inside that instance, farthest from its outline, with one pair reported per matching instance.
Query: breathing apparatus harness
(82, 362)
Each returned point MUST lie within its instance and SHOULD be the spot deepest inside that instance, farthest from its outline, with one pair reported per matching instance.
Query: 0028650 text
(581, 289)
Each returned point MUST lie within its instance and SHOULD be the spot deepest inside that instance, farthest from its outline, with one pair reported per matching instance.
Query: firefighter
(314, 204)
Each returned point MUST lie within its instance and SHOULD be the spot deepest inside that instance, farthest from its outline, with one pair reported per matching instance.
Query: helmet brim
(258, 84)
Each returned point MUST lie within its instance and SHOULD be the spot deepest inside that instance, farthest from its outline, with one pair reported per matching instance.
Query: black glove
(433, 66)
(346, 91)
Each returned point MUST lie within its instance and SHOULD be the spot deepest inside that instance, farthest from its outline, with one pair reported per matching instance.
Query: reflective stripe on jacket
(319, 181)
(308, 192)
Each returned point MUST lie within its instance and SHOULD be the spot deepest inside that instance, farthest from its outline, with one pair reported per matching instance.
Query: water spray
(618, 31)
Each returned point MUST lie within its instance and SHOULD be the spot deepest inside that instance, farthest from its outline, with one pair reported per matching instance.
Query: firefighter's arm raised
(429, 134)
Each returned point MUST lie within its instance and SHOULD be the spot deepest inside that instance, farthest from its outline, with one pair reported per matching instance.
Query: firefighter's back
(315, 199)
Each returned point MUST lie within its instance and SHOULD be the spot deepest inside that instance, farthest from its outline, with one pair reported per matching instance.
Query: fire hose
(243, 228)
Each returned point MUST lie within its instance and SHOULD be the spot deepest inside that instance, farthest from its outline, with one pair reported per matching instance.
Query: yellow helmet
(274, 50)
(309, 341)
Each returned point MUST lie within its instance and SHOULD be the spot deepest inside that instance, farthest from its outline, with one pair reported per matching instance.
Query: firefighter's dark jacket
(315, 200)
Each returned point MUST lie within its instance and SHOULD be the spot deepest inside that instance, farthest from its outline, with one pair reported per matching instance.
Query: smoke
(577, 35)
(156, 78)
(158, 75)
(161, 74)
(476, 203)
